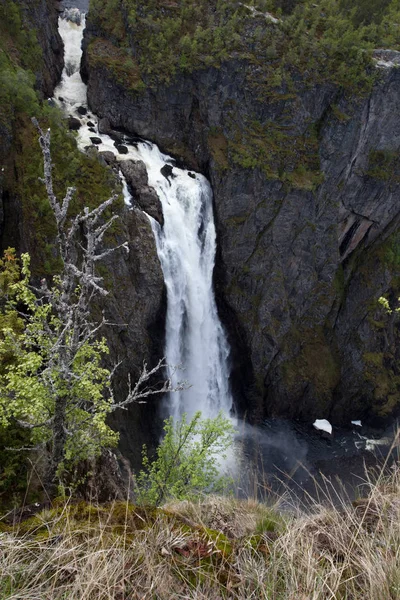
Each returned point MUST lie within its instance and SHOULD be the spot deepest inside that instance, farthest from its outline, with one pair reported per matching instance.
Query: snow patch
(323, 425)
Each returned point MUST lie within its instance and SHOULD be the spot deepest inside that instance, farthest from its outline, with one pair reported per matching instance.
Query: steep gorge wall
(307, 245)
(136, 302)
(39, 18)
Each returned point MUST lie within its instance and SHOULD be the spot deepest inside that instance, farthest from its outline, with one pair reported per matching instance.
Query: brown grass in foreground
(217, 548)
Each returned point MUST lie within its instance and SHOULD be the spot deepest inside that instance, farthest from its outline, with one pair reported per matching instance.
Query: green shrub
(187, 460)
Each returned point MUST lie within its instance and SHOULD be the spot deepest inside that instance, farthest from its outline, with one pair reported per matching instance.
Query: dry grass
(217, 548)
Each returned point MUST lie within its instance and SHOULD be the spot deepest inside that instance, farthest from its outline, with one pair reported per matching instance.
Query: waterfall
(186, 245)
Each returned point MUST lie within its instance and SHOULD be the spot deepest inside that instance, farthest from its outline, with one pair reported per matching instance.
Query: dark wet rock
(61, 99)
(146, 197)
(116, 136)
(192, 175)
(133, 140)
(92, 129)
(108, 156)
(166, 170)
(74, 124)
(82, 110)
(95, 140)
(42, 15)
(121, 149)
(73, 15)
(149, 201)
(135, 173)
(90, 124)
(104, 126)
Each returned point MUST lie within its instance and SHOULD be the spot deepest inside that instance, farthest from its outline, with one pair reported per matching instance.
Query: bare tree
(68, 323)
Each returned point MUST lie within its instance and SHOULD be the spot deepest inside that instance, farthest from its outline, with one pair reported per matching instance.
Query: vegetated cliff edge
(31, 62)
(303, 157)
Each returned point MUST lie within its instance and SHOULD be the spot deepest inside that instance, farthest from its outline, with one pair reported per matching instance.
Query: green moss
(384, 165)
(314, 363)
(218, 145)
(381, 372)
(338, 114)
(339, 283)
(118, 62)
(279, 152)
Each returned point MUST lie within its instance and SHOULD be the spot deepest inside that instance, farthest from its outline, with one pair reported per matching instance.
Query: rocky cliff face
(41, 19)
(43, 16)
(136, 302)
(308, 239)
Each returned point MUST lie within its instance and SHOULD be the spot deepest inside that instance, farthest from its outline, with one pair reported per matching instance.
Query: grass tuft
(210, 549)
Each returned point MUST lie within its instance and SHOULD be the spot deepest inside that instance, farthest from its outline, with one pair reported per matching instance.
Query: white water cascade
(186, 244)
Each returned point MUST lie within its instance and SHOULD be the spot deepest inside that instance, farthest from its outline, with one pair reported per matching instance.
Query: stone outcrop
(43, 16)
(136, 307)
(146, 197)
(301, 261)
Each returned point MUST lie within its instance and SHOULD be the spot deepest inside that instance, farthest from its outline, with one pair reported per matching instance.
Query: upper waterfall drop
(186, 246)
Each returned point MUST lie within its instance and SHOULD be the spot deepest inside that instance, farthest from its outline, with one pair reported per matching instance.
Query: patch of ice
(323, 425)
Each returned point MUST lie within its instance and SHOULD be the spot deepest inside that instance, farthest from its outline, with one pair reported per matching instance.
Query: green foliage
(384, 165)
(94, 183)
(32, 378)
(16, 90)
(17, 37)
(187, 460)
(278, 152)
(305, 44)
(326, 41)
(20, 58)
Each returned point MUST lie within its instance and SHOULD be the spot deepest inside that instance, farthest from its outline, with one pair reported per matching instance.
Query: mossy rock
(314, 363)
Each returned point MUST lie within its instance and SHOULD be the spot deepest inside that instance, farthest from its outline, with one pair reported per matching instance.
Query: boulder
(121, 149)
(136, 177)
(92, 152)
(148, 200)
(135, 173)
(166, 170)
(104, 126)
(95, 140)
(117, 136)
(108, 156)
(81, 110)
(74, 124)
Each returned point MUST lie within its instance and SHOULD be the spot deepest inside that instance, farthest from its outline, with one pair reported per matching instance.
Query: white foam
(186, 246)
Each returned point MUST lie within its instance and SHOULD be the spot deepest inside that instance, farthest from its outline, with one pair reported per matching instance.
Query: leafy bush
(187, 460)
